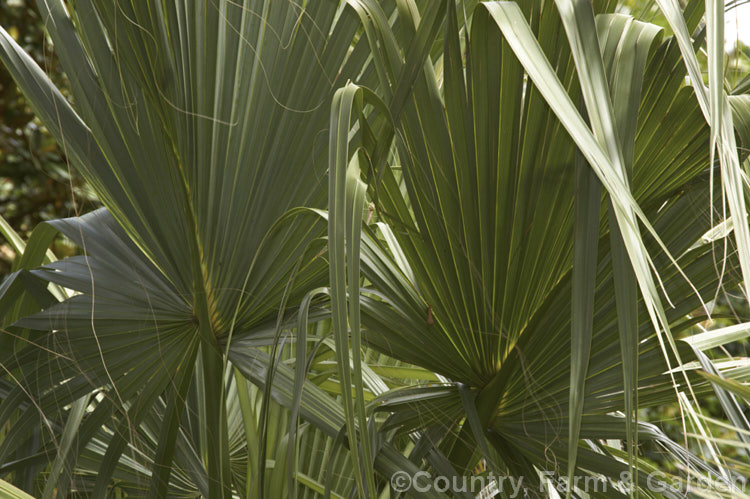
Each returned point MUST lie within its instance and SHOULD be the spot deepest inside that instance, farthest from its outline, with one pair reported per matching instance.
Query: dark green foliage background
(35, 181)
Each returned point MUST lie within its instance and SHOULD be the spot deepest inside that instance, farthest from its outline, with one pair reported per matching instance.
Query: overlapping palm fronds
(342, 240)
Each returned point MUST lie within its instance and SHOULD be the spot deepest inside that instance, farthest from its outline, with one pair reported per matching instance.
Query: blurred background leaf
(35, 181)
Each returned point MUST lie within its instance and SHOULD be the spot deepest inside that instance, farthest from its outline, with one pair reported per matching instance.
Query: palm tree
(540, 229)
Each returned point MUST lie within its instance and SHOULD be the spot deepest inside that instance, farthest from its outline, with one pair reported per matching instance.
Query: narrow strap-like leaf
(588, 195)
